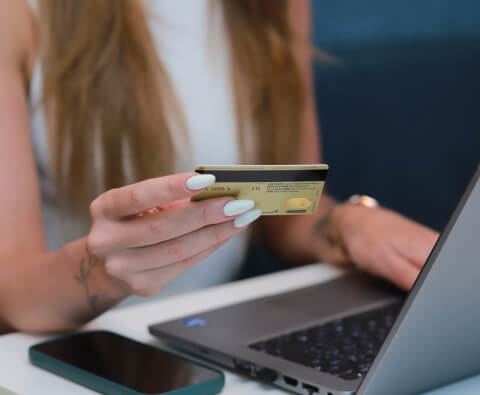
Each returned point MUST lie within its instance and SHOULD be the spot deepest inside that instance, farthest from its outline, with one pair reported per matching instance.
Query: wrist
(344, 221)
(346, 216)
(329, 246)
(339, 222)
(341, 226)
(91, 276)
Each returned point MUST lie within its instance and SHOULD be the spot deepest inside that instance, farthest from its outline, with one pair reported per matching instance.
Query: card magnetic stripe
(266, 175)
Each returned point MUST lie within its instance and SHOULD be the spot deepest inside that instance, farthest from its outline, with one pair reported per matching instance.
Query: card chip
(298, 203)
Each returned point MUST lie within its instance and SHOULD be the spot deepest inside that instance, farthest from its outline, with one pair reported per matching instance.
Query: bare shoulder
(17, 33)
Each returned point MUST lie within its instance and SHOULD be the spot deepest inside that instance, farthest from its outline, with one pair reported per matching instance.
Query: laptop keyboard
(344, 348)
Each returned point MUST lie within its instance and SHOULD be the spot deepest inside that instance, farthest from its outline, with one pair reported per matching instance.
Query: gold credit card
(275, 189)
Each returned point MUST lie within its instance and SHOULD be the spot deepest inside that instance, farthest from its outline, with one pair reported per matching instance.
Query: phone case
(103, 385)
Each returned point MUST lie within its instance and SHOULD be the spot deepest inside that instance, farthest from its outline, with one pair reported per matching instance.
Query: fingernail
(236, 207)
(200, 181)
(247, 218)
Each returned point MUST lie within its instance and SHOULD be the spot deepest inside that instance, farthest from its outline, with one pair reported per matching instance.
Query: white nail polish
(247, 218)
(236, 207)
(200, 181)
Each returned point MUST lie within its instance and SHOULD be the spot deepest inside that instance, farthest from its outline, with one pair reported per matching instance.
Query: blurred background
(399, 106)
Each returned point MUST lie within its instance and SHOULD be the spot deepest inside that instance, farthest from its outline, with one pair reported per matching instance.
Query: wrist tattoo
(87, 264)
(321, 227)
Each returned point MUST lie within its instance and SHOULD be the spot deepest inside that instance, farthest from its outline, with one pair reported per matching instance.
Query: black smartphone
(113, 364)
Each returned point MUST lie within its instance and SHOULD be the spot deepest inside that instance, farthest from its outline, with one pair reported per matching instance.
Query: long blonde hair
(106, 89)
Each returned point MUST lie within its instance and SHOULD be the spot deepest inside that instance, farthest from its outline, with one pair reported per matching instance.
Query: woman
(123, 91)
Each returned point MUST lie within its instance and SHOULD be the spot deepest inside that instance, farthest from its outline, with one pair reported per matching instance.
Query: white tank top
(197, 60)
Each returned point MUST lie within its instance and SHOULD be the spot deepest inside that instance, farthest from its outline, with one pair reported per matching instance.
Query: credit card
(275, 189)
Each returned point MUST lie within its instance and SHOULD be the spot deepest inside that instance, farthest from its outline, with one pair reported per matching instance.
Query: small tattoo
(86, 267)
(322, 223)
(321, 228)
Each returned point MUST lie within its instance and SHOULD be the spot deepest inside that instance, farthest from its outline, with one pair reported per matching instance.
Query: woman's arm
(124, 253)
(28, 274)
(378, 240)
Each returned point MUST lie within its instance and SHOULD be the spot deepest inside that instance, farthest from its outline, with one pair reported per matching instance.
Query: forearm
(56, 291)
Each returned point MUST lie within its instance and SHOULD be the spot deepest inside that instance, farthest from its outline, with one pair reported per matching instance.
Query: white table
(18, 375)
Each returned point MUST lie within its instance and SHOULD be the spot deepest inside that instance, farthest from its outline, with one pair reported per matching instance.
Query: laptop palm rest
(277, 314)
(354, 291)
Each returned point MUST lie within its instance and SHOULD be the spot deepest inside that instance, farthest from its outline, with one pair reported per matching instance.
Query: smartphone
(113, 364)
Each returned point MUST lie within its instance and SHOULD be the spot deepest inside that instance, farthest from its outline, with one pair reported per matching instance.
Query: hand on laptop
(381, 242)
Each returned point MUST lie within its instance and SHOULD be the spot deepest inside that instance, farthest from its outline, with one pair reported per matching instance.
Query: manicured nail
(236, 207)
(200, 181)
(247, 218)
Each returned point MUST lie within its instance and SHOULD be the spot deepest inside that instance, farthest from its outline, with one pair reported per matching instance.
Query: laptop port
(311, 389)
(267, 375)
(243, 366)
(290, 381)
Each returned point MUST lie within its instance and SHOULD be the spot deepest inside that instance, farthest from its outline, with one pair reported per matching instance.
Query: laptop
(356, 334)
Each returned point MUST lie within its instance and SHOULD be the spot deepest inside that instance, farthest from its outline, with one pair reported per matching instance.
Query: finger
(163, 207)
(417, 246)
(141, 196)
(163, 226)
(150, 282)
(176, 250)
(398, 270)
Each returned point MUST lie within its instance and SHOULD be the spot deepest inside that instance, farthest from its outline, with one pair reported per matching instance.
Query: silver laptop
(356, 334)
